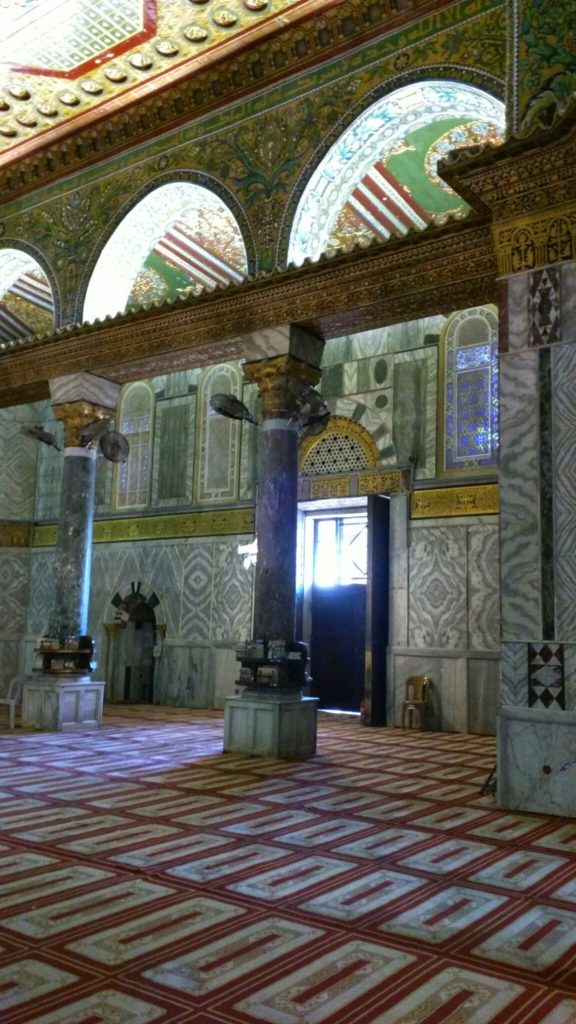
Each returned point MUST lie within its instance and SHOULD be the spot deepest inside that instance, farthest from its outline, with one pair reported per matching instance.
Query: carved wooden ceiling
(66, 66)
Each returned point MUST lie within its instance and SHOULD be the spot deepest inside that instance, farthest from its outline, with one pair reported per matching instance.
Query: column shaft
(74, 543)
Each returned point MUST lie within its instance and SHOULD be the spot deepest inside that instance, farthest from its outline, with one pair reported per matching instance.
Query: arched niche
(27, 306)
(380, 178)
(179, 239)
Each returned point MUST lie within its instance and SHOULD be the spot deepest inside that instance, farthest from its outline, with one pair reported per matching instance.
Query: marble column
(278, 377)
(274, 719)
(63, 696)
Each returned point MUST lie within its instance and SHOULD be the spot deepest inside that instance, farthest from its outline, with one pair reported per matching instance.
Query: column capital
(274, 376)
(76, 416)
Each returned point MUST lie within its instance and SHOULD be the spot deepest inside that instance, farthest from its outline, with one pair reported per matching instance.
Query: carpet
(146, 876)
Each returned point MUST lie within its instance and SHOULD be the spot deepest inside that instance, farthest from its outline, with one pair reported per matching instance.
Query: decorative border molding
(15, 535)
(476, 500)
(192, 524)
(353, 485)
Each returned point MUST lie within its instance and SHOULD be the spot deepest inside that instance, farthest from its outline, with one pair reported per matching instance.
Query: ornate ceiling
(61, 60)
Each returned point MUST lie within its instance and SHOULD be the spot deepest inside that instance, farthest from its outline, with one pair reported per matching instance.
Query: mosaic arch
(380, 178)
(181, 239)
(26, 299)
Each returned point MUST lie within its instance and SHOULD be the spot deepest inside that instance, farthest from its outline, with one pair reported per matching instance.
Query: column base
(536, 760)
(270, 726)
(52, 703)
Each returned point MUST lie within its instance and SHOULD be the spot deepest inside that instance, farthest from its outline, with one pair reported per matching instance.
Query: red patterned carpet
(146, 876)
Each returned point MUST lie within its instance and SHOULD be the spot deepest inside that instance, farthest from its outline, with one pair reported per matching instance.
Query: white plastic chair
(14, 697)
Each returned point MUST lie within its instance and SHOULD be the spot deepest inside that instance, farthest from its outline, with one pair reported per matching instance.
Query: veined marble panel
(9, 664)
(520, 496)
(564, 434)
(14, 575)
(514, 674)
(537, 760)
(18, 455)
(438, 588)
(399, 511)
(173, 462)
(231, 614)
(484, 588)
(518, 312)
(568, 292)
(41, 590)
(87, 387)
(197, 572)
(570, 676)
(249, 443)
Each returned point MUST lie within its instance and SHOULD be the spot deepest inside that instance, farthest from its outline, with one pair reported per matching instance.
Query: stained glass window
(470, 356)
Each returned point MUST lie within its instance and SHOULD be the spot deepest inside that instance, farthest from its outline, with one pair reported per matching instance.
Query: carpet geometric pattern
(146, 876)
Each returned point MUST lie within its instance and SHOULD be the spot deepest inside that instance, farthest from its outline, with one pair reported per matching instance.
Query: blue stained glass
(476, 355)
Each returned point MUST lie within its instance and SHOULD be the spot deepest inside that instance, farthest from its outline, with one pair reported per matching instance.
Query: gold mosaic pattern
(478, 500)
(193, 524)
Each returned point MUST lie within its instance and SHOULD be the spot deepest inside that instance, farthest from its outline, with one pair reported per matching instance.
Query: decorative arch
(378, 178)
(176, 237)
(343, 447)
(28, 294)
(136, 421)
(217, 470)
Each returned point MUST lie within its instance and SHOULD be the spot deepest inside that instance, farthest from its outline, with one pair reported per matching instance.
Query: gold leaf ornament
(195, 33)
(224, 17)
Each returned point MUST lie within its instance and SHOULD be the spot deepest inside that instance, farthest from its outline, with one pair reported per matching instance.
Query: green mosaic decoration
(546, 61)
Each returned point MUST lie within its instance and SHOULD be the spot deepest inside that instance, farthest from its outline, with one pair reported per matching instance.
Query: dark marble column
(277, 495)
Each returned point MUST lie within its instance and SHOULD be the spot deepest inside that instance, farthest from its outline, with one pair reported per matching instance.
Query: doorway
(334, 577)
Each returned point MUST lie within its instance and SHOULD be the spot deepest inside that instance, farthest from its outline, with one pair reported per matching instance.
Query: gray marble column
(74, 544)
(78, 400)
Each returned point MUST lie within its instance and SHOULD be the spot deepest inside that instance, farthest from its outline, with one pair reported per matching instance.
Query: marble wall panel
(249, 443)
(568, 291)
(520, 496)
(438, 587)
(518, 326)
(484, 588)
(564, 484)
(184, 677)
(536, 760)
(225, 673)
(398, 623)
(483, 695)
(231, 614)
(197, 577)
(41, 590)
(570, 676)
(14, 576)
(10, 662)
(514, 674)
(18, 455)
(448, 707)
(173, 453)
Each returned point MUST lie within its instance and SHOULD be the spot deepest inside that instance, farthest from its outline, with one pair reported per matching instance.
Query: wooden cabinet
(71, 657)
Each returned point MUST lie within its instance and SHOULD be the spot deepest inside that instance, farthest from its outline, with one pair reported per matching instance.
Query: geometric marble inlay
(546, 676)
(544, 307)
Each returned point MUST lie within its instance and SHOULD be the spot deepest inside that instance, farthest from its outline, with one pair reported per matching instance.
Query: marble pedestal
(270, 726)
(537, 760)
(52, 703)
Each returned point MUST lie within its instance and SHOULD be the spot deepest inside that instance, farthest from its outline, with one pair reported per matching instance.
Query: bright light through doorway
(340, 550)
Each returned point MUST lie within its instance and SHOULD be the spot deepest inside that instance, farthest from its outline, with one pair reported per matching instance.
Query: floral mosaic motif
(546, 69)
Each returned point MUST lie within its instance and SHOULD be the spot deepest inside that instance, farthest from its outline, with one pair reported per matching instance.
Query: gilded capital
(274, 378)
(76, 416)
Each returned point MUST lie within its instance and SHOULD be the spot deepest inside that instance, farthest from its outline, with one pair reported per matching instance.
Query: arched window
(380, 178)
(135, 421)
(26, 300)
(469, 391)
(180, 239)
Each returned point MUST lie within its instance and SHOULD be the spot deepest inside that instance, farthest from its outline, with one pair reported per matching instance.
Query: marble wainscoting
(465, 687)
(195, 675)
(537, 760)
